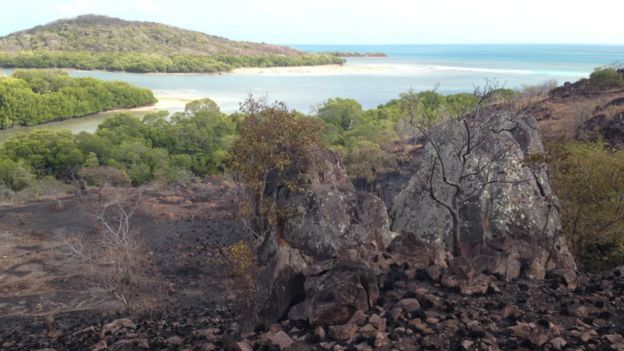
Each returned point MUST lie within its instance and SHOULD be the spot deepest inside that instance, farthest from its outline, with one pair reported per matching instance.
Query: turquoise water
(373, 81)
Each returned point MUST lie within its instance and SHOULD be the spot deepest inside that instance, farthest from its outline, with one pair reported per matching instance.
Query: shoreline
(89, 123)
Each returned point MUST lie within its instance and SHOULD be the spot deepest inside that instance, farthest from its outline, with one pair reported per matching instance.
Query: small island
(95, 42)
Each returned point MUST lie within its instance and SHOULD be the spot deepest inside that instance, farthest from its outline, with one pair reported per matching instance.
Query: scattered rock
(116, 325)
(174, 341)
(580, 312)
(281, 339)
(100, 346)
(243, 346)
(344, 332)
(131, 345)
(377, 322)
(558, 343)
(409, 305)
(381, 339)
(320, 333)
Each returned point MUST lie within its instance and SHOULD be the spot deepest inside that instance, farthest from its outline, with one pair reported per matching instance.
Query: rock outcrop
(507, 212)
(602, 127)
(317, 259)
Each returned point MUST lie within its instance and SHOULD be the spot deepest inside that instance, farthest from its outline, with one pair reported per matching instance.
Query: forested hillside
(99, 42)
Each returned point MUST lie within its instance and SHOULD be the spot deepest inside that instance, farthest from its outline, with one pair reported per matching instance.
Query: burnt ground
(413, 313)
(49, 300)
(183, 230)
(569, 110)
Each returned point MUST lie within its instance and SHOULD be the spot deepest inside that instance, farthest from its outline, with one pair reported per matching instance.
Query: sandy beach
(325, 70)
(378, 68)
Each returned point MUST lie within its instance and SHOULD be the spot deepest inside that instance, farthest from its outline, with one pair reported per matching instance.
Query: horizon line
(450, 43)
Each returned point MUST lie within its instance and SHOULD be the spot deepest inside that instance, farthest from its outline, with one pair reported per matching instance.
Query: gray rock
(114, 326)
(330, 235)
(508, 213)
(339, 288)
(131, 345)
(281, 339)
(410, 304)
(344, 332)
(558, 343)
(319, 332)
(376, 321)
(174, 340)
(243, 346)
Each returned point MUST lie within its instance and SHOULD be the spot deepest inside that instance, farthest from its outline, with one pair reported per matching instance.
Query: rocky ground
(414, 313)
(578, 110)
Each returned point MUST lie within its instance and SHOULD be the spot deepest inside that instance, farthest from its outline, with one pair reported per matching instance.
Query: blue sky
(353, 21)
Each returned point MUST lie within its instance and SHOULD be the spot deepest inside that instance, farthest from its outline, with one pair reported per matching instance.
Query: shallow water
(373, 81)
(87, 124)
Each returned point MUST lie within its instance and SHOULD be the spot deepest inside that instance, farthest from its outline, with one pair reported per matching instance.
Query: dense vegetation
(607, 78)
(104, 43)
(589, 179)
(154, 62)
(363, 137)
(194, 142)
(197, 142)
(33, 97)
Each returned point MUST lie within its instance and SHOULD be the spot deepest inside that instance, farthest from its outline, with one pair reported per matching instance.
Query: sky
(352, 21)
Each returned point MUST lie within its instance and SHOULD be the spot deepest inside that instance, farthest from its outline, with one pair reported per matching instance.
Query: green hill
(100, 42)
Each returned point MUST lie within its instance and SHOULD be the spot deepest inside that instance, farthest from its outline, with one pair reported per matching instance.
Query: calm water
(373, 81)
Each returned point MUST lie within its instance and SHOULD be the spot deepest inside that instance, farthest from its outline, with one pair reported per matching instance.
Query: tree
(201, 106)
(46, 152)
(33, 97)
(14, 175)
(458, 167)
(341, 113)
(272, 153)
(121, 263)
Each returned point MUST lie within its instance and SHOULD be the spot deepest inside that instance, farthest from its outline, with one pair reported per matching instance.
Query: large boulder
(328, 224)
(508, 214)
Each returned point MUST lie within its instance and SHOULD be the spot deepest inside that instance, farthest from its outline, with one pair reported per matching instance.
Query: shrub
(606, 78)
(104, 175)
(14, 175)
(241, 260)
(589, 180)
(275, 147)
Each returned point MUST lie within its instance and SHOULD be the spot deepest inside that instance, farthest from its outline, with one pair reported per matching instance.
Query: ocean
(374, 81)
